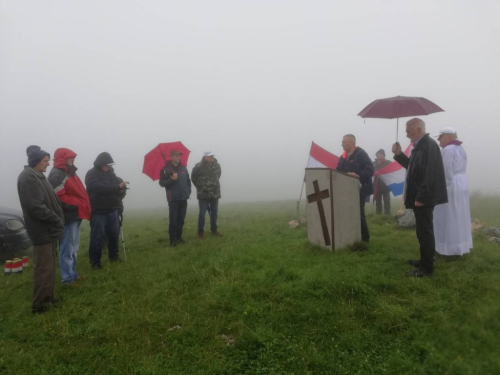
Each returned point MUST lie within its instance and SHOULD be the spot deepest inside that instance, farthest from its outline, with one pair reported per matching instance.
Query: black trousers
(177, 214)
(387, 203)
(365, 234)
(425, 235)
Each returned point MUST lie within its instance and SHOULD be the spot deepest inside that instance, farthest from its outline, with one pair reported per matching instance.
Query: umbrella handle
(397, 129)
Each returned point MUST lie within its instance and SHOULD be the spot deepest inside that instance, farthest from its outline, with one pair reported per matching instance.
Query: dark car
(13, 235)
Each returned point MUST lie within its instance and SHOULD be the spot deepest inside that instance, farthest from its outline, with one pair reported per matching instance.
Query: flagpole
(300, 199)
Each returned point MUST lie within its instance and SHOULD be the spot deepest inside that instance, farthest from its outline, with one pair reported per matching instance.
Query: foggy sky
(255, 81)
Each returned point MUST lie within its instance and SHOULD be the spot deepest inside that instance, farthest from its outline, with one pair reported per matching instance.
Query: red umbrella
(399, 106)
(156, 159)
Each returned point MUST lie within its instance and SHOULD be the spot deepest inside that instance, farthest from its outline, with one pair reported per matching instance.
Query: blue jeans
(104, 228)
(177, 214)
(68, 249)
(212, 206)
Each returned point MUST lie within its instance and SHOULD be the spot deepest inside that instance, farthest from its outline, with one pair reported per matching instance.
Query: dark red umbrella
(399, 106)
(156, 159)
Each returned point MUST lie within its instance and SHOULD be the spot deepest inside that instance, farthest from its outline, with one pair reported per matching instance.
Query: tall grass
(261, 300)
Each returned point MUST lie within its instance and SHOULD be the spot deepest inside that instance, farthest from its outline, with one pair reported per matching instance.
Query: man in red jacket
(76, 206)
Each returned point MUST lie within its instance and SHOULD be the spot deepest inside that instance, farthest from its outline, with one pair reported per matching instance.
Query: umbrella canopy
(399, 106)
(156, 159)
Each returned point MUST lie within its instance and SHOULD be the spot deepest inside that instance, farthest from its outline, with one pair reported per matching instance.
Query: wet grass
(261, 300)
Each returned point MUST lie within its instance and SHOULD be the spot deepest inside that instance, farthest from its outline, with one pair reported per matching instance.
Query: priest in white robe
(452, 222)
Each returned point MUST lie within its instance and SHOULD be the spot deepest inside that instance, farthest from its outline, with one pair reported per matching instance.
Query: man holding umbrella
(174, 177)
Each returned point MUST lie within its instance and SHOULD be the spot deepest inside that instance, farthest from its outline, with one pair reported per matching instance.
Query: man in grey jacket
(44, 221)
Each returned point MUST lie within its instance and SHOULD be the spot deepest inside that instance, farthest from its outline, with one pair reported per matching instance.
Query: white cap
(208, 153)
(110, 164)
(447, 130)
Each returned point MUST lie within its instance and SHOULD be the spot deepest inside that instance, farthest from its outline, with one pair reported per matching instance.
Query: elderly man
(44, 217)
(382, 191)
(425, 189)
(76, 207)
(205, 177)
(356, 162)
(174, 177)
(452, 224)
(106, 192)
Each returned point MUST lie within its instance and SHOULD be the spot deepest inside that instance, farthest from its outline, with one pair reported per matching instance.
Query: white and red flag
(320, 158)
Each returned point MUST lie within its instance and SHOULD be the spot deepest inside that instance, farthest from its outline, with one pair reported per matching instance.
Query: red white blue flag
(320, 158)
(394, 175)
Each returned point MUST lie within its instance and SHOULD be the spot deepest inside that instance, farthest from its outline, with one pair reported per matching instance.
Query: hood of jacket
(104, 158)
(60, 157)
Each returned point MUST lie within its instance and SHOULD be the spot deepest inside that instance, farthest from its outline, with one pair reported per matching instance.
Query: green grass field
(262, 300)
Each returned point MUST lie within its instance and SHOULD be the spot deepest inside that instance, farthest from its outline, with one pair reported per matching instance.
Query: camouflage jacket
(206, 179)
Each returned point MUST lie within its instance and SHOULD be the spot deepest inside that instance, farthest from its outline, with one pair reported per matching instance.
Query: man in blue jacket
(174, 177)
(356, 162)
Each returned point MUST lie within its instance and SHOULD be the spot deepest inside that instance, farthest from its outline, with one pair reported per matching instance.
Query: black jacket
(425, 179)
(103, 188)
(42, 210)
(361, 164)
(177, 190)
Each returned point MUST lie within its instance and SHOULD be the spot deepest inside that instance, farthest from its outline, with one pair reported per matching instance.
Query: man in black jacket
(106, 192)
(174, 177)
(44, 221)
(425, 188)
(356, 162)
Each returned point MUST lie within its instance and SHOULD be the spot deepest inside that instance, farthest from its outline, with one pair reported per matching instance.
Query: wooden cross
(318, 196)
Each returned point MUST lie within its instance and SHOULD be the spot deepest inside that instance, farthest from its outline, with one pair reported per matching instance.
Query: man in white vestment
(452, 223)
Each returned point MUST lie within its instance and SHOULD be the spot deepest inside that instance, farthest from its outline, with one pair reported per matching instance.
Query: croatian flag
(320, 158)
(394, 175)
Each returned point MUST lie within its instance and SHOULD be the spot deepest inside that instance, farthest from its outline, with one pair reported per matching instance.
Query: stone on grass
(476, 225)
(494, 240)
(406, 219)
(492, 231)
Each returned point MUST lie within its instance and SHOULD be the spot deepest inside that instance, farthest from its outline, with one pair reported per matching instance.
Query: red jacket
(69, 188)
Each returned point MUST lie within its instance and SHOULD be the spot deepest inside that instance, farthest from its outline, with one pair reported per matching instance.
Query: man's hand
(418, 204)
(396, 148)
(174, 176)
(123, 185)
(352, 174)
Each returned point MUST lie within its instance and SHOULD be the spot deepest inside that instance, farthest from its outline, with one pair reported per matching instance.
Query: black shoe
(181, 241)
(115, 260)
(174, 243)
(96, 266)
(414, 263)
(418, 273)
(40, 310)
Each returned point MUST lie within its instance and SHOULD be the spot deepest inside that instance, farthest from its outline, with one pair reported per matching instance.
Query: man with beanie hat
(44, 221)
(381, 190)
(76, 206)
(106, 192)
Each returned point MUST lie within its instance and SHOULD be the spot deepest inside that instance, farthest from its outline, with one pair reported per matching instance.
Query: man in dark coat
(425, 188)
(44, 221)
(174, 177)
(381, 190)
(76, 207)
(205, 177)
(356, 162)
(106, 192)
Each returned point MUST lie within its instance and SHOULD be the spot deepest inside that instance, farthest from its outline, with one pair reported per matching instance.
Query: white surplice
(452, 223)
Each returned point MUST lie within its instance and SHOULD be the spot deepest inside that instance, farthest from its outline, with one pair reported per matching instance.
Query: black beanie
(35, 155)
(381, 151)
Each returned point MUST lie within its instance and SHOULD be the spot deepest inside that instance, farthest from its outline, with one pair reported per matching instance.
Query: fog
(255, 81)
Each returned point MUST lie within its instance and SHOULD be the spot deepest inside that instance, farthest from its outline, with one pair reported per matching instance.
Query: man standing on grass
(44, 221)
(76, 206)
(106, 192)
(425, 188)
(174, 177)
(205, 177)
(381, 190)
(356, 162)
(452, 224)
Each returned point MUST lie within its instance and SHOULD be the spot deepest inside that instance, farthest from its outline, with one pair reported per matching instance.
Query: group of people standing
(54, 207)
(436, 190)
